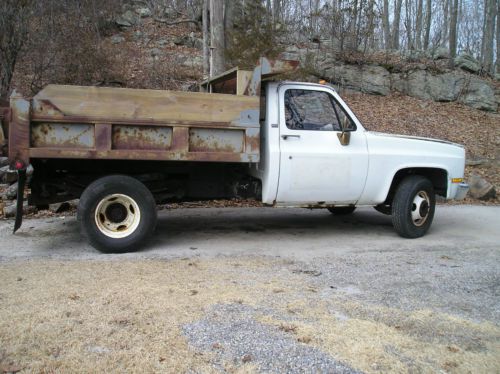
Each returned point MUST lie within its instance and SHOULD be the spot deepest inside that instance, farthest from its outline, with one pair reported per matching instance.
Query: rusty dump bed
(118, 123)
(73, 122)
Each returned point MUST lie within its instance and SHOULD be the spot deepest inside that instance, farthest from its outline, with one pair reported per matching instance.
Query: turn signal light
(457, 180)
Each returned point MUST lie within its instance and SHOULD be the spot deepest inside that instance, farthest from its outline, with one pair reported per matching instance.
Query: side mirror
(344, 137)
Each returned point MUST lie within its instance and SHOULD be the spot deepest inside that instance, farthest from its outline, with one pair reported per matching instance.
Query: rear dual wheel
(117, 214)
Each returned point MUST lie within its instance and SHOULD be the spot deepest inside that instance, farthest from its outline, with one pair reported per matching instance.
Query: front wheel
(117, 214)
(413, 207)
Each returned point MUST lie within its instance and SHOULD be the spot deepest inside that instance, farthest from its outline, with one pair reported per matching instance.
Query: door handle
(285, 137)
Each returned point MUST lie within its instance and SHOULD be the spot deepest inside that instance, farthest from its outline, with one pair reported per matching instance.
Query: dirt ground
(255, 290)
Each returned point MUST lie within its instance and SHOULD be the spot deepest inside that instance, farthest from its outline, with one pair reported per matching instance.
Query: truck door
(314, 165)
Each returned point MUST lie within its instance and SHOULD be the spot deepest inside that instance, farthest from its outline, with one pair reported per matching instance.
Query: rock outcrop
(468, 63)
(420, 82)
(480, 188)
(371, 79)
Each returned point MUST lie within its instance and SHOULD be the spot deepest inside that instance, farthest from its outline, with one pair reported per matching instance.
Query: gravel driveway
(256, 290)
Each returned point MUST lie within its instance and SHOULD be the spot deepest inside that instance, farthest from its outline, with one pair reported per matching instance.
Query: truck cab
(327, 158)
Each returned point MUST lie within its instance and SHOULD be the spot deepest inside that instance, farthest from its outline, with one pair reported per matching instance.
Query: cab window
(315, 111)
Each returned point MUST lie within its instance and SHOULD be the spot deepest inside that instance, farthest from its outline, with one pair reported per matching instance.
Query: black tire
(414, 198)
(342, 210)
(123, 202)
(384, 209)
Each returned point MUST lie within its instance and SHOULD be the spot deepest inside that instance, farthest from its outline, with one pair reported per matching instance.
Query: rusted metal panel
(103, 136)
(62, 135)
(143, 155)
(19, 129)
(252, 141)
(216, 140)
(141, 137)
(129, 124)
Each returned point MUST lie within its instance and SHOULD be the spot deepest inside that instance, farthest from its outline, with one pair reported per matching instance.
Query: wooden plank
(243, 79)
(58, 102)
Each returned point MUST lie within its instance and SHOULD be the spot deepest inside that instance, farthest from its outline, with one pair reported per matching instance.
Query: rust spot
(253, 144)
(142, 137)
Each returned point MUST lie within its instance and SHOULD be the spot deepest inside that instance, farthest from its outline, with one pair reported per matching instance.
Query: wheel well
(438, 178)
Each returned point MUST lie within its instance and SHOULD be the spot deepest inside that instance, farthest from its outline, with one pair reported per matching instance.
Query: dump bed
(73, 122)
(118, 123)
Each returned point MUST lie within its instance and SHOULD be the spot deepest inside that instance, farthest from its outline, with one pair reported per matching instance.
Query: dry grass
(99, 316)
(389, 340)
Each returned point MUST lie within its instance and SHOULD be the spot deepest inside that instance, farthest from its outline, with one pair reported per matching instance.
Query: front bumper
(462, 190)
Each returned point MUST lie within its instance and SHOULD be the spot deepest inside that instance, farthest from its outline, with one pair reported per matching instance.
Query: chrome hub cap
(117, 216)
(420, 208)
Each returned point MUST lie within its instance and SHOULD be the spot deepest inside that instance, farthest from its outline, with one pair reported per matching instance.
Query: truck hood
(414, 138)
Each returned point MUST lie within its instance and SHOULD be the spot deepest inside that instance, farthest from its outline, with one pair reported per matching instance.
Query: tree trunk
(428, 21)
(396, 24)
(352, 29)
(206, 50)
(276, 11)
(453, 33)
(370, 37)
(446, 8)
(315, 17)
(490, 9)
(408, 25)
(228, 21)
(418, 24)
(217, 36)
(385, 23)
(498, 37)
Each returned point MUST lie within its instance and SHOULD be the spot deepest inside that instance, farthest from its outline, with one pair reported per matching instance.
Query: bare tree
(428, 22)
(386, 26)
(14, 19)
(206, 39)
(418, 24)
(453, 32)
(217, 36)
(408, 25)
(229, 9)
(446, 10)
(490, 10)
(396, 23)
(498, 37)
(276, 11)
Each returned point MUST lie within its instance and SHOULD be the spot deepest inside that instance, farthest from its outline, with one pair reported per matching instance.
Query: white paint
(315, 167)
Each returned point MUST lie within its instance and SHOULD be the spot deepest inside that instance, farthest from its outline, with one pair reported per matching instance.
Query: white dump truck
(286, 144)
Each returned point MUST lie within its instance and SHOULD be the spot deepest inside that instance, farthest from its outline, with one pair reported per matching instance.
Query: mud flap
(21, 183)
